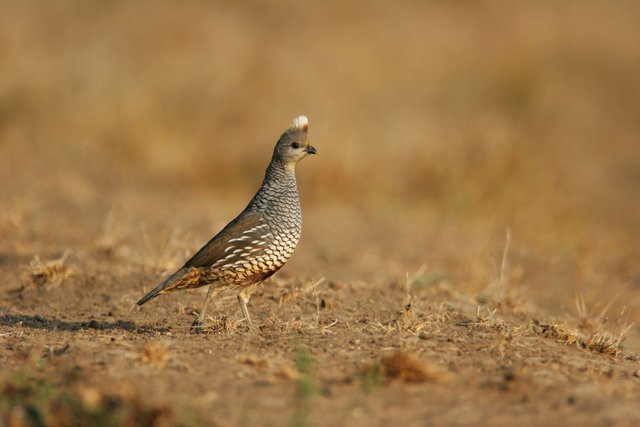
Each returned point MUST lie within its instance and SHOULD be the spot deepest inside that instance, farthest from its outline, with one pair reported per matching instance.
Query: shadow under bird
(259, 241)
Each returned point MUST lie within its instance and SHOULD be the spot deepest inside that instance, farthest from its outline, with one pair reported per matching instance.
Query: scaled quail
(259, 241)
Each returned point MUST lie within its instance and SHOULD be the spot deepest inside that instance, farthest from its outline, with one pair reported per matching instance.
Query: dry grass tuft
(598, 342)
(592, 325)
(407, 367)
(414, 317)
(420, 321)
(290, 296)
(611, 343)
(155, 354)
(47, 274)
(507, 297)
(406, 320)
(402, 367)
(220, 324)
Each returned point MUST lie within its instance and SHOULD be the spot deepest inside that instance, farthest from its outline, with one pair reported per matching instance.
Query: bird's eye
(295, 145)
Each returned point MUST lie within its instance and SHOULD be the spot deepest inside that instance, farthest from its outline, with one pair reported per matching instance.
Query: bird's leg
(197, 324)
(243, 299)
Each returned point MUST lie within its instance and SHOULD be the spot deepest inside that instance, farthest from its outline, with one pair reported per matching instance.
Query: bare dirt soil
(470, 250)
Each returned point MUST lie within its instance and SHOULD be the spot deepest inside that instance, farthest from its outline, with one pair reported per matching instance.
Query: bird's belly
(274, 256)
(258, 266)
(258, 262)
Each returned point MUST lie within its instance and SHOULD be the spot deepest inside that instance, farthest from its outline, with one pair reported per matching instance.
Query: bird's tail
(163, 287)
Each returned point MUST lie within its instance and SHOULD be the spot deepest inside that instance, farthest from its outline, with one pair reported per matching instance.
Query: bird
(259, 241)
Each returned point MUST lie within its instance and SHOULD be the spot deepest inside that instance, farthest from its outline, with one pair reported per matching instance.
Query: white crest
(301, 122)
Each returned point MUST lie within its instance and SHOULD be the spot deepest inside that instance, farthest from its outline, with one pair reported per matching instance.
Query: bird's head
(293, 145)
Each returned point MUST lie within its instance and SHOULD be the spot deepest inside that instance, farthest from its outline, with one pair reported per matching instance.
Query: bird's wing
(246, 234)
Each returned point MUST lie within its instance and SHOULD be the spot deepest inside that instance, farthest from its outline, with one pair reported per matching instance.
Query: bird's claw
(196, 327)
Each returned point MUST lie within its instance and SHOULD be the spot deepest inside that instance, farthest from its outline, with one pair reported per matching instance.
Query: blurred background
(439, 126)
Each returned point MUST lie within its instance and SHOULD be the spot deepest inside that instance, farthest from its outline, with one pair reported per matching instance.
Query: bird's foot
(197, 327)
(247, 326)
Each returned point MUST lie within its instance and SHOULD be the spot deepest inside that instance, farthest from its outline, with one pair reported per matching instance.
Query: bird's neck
(279, 173)
(278, 195)
(278, 189)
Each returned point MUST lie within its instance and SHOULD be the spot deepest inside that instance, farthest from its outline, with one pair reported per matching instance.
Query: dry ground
(470, 253)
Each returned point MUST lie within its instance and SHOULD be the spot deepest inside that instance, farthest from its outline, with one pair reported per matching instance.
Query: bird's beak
(311, 150)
